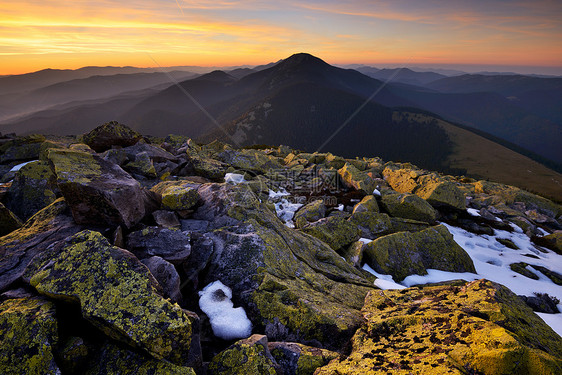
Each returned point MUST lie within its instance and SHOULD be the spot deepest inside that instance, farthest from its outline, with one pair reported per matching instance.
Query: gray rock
(171, 244)
(167, 219)
(166, 275)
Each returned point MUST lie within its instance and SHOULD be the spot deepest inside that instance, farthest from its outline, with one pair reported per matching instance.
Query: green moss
(142, 165)
(242, 358)
(117, 294)
(521, 269)
(334, 230)
(29, 334)
(408, 206)
(404, 253)
(309, 213)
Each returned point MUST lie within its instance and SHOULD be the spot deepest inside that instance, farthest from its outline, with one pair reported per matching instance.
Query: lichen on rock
(477, 328)
(29, 335)
(118, 295)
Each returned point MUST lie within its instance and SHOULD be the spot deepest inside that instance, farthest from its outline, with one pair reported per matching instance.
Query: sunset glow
(36, 35)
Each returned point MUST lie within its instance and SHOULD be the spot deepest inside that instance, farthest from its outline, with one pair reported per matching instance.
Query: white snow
(383, 281)
(376, 192)
(365, 241)
(491, 261)
(227, 322)
(473, 211)
(285, 210)
(340, 207)
(234, 178)
(18, 167)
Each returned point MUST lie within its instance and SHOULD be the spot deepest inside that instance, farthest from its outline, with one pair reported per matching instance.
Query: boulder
(334, 230)
(22, 148)
(154, 153)
(356, 179)
(408, 206)
(177, 195)
(407, 225)
(299, 359)
(439, 193)
(405, 253)
(114, 359)
(166, 219)
(249, 160)
(8, 221)
(551, 241)
(372, 224)
(29, 336)
(118, 295)
(34, 187)
(166, 275)
(436, 190)
(44, 229)
(280, 276)
(98, 191)
(248, 356)
(463, 328)
(367, 204)
(171, 244)
(109, 135)
(353, 254)
(141, 164)
(310, 212)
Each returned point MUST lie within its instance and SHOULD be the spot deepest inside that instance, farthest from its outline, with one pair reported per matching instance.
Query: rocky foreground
(126, 254)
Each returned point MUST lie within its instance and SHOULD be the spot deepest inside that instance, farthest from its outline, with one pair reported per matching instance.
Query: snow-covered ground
(491, 261)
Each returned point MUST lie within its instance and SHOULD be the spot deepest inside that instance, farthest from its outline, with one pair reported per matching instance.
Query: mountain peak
(216, 76)
(304, 59)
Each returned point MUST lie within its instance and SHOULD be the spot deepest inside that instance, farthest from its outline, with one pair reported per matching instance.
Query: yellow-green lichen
(117, 294)
(28, 336)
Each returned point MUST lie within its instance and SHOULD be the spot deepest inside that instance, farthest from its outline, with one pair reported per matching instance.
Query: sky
(38, 34)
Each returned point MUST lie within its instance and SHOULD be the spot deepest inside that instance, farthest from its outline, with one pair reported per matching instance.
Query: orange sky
(54, 34)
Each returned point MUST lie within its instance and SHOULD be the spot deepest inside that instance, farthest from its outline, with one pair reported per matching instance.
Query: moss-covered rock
(436, 190)
(8, 221)
(353, 254)
(400, 224)
(472, 328)
(551, 241)
(177, 195)
(440, 193)
(367, 204)
(405, 253)
(45, 229)
(299, 359)
(357, 179)
(248, 356)
(118, 295)
(280, 276)
(408, 206)
(141, 164)
(521, 268)
(29, 334)
(115, 359)
(511, 194)
(250, 160)
(111, 134)
(207, 167)
(34, 187)
(22, 148)
(97, 190)
(310, 212)
(372, 224)
(334, 230)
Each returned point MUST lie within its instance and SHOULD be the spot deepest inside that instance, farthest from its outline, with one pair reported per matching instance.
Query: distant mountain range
(302, 101)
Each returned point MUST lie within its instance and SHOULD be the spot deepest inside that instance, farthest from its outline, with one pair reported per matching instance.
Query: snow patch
(383, 281)
(234, 178)
(285, 210)
(19, 166)
(227, 322)
(473, 212)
